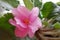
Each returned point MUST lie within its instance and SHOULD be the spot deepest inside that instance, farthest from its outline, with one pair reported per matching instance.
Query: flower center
(26, 21)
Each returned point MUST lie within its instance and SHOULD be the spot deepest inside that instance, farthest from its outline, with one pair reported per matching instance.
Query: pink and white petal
(34, 13)
(20, 33)
(38, 22)
(20, 22)
(30, 33)
(15, 12)
(11, 21)
(33, 28)
(18, 14)
(36, 25)
(23, 10)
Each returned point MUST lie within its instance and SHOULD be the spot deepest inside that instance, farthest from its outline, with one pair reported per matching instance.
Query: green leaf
(13, 3)
(58, 3)
(28, 4)
(45, 23)
(57, 25)
(48, 7)
(6, 26)
(38, 3)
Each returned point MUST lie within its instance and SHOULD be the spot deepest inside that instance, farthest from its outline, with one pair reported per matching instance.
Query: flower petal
(33, 28)
(18, 14)
(35, 25)
(15, 12)
(37, 22)
(11, 21)
(34, 14)
(23, 10)
(20, 33)
(30, 33)
(19, 22)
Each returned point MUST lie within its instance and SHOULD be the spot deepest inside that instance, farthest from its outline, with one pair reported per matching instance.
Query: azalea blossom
(26, 22)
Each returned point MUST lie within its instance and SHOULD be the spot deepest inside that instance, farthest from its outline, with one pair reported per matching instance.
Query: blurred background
(49, 14)
(44, 1)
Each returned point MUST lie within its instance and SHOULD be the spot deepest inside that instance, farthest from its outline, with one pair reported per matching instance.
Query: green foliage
(58, 18)
(28, 4)
(55, 14)
(13, 3)
(48, 7)
(6, 26)
(37, 3)
(57, 25)
(58, 3)
(45, 23)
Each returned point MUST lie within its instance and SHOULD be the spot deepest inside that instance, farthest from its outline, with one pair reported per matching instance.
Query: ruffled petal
(30, 33)
(34, 14)
(11, 21)
(18, 14)
(15, 12)
(35, 25)
(33, 28)
(23, 10)
(37, 22)
(20, 22)
(20, 33)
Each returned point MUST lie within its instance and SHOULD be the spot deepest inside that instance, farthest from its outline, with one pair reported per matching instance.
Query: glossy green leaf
(57, 25)
(28, 4)
(48, 7)
(13, 3)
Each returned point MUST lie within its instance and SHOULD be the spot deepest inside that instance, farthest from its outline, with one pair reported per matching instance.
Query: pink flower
(26, 22)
